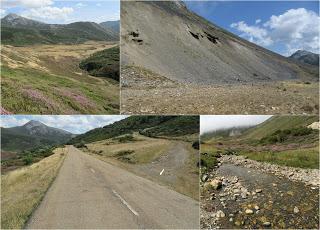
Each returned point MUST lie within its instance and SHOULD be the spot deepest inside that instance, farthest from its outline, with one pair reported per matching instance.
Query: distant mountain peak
(17, 20)
(33, 123)
(306, 57)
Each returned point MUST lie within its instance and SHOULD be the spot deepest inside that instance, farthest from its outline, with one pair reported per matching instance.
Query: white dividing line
(125, 203)
(161, 172)
(92, 170)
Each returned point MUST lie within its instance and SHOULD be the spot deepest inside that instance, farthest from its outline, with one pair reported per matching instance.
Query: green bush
(28, 160)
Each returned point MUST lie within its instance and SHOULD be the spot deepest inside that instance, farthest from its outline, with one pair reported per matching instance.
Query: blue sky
(73, 123)
(67, 11)
(277, 25)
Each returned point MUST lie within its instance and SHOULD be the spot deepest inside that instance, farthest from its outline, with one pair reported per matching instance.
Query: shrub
(28, 160)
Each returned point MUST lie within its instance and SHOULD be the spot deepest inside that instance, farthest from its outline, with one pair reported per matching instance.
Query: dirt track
(89, 193)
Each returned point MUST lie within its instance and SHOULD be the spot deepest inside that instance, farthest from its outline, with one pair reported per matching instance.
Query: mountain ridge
(18, 30)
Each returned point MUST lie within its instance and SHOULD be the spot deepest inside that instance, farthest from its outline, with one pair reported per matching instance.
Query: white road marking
(92, 170)
(161, 172)
(125, 203)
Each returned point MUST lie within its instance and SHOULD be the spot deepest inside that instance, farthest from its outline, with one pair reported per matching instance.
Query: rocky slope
(165, 37)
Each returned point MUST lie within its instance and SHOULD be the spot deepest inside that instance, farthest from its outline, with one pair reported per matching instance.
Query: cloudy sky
(73, 123)
(63, 11)
(283, 27)
(216, 122)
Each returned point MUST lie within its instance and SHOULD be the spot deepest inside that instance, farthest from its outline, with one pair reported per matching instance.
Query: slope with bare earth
(46, 79)
(203, 68)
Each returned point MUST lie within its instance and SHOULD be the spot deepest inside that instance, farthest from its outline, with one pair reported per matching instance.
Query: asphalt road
(89, 193)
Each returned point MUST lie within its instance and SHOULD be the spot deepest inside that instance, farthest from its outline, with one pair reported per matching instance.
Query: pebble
(220, 214)
(258, 190)
(256, 207)
(249, 211)
(231, 220)
(296, 209)
(266, 224)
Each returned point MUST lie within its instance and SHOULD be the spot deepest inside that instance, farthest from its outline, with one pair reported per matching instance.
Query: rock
(249, 211)
(258, 190)
(231, 220)
(256, 207)
(220, 214)
(215, 184)
(237, 223)
(266, 224)
(296, 209)
(204, 177)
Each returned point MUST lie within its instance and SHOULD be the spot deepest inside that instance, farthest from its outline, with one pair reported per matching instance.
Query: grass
(300, 158)
(14, 81)
(138, 152)
(208, 157)
(23, 190)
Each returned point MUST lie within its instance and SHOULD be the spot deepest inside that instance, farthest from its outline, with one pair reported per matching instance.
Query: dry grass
(23, 189)
(144, 149)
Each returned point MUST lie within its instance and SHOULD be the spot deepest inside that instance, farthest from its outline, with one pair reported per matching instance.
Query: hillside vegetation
(147, 125)
(23, 189)
(20, 31)
(282, 140)
(103, 63)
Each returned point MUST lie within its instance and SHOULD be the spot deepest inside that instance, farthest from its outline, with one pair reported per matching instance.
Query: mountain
(147, 125)
(17, 30)
(174, 42)
(112, 25)
(284, 122)
(31, 135)
(306, 57)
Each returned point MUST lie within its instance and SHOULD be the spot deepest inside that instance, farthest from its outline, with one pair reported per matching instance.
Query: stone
(296, 209)
(258, 190)
(204, 177)
(256, 207)
(231, 220)
(249, 211)
(215, 184)
(266, 224)
(237, 223)
(220, 214)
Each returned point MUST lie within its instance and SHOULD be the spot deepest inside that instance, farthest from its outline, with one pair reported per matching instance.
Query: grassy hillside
(147, 125)
(45, 79)
(282, 140)
(103, 63)
(278, 122)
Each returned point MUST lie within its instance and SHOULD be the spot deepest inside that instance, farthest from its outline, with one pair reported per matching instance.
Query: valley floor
(252, 197)
(144, 92)
(46, 79)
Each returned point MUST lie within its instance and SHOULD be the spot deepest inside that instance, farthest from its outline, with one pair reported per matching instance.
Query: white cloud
(80, 4)
(295, 29)
(254, 34)
(26, 3)
(48, 12)
(215, 122)
(258, 21)
(2, 12)
(72, 123)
